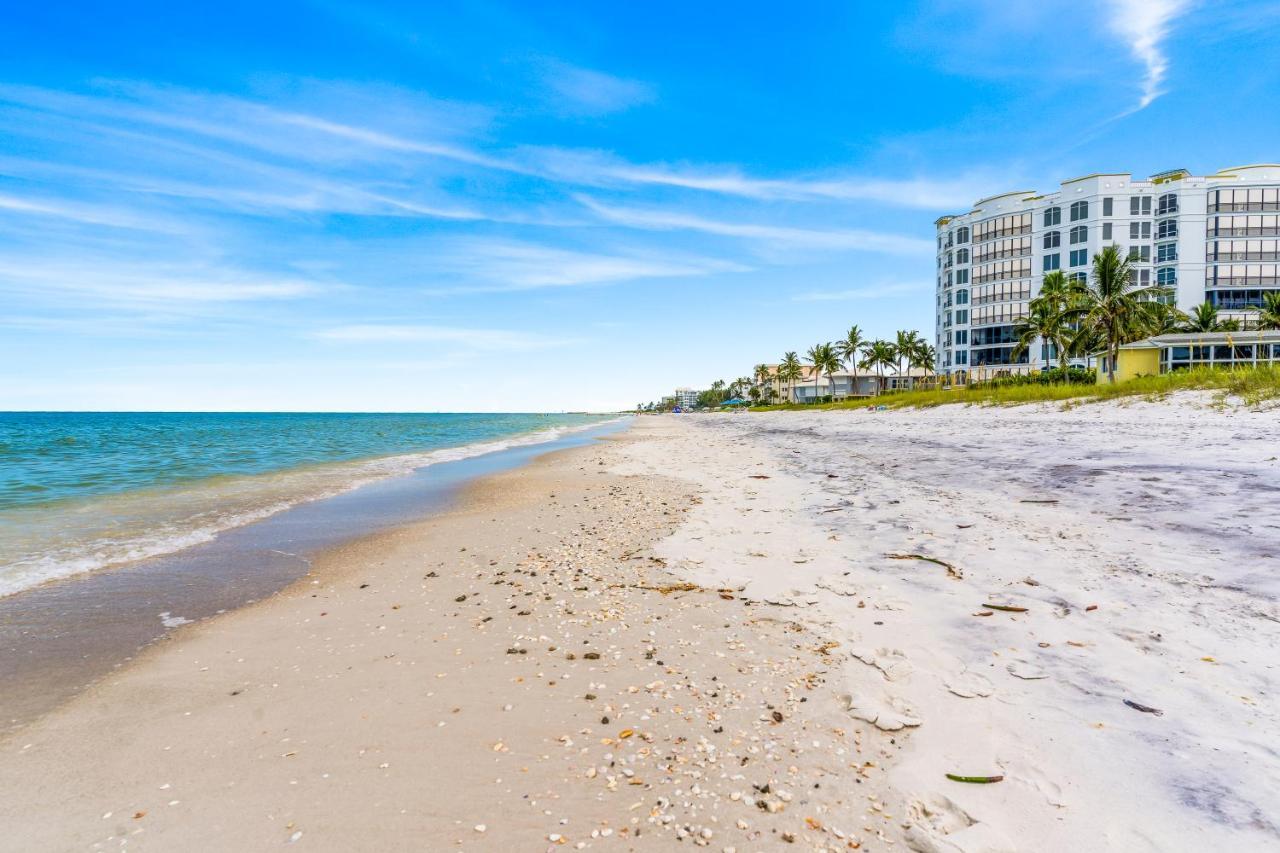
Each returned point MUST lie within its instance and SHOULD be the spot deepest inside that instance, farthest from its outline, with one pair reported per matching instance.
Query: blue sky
(485, 206)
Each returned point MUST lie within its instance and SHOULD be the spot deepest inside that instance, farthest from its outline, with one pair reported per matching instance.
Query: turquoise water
(81, 491)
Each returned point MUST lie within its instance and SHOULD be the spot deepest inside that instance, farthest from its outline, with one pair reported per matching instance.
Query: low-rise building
(844, 384)
(1184, 350)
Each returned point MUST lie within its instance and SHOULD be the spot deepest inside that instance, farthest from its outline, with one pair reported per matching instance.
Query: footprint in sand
(1026, 670)
(887, 713)
(970, 685)
(939, 825)
(838, 585)
(892, 663)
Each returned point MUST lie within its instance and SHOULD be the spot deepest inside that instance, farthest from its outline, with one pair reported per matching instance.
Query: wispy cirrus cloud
(87, 214)
(574, 90)
(1144, 25)
(854, 294)
(108, 281)
(489, 266)
(778, 236)
(595, 168)
(413, 333)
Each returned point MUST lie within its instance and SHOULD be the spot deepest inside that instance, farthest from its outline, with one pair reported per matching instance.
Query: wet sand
(520, 672)
(60, 637)
(740, 632)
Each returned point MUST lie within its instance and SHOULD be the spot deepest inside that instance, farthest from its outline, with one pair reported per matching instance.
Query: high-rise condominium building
(686, 398)
(1214, 238)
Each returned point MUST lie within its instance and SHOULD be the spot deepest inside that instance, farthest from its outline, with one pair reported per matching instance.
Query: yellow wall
(1133, 363)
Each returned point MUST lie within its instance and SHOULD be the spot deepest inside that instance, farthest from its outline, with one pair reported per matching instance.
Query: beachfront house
(1180, 351)
(844, 385)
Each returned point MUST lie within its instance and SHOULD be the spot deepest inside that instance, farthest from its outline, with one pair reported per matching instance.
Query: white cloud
(851, 239)
(582, 91)
(495, 266)
(483, 339)
(86, 214)
(109, 282)
(1144, 25)
(878, 291)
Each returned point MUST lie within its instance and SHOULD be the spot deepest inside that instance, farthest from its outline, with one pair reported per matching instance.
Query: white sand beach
(1151, 578)
(717, 631)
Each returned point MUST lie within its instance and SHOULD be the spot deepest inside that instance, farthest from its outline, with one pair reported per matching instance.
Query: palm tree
(830, 365)
(789, 371)
(1165, 318)
(925, 357)
(1269, 316)
(848, 349)
(1043, 322)
(1112, 304)
(877, 354)
(903, 347)
(1203, 318)
(1061, 294)
(823, 359)
(761, 373)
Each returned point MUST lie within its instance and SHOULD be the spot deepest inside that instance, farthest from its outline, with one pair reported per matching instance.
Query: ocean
(86, 491)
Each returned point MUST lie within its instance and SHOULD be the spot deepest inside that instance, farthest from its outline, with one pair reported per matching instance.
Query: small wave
(135, 526)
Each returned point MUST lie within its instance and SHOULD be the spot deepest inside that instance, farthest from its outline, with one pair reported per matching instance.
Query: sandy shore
(520, 673)
(1128, 701)
(719, 631)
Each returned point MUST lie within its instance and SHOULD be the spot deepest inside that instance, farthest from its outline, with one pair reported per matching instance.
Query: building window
(1167, 276)
(1052, 217)
(962, 234)
(1106, 231)
(1052, 262)
(962, 315)
(1079, 257)
(1166, 253)
(1077, 276)
(1140, 205)
(1139, 230)
(1140, 277)
(962, 357)
(962, 337)
(1256, 198)
(1010, 225)
(1107, 206)
(1080, 234)
(1243, 250)
(1053, 239)
(1079, 210)
(1140, 254)
(1166, 204)
(962, 256)
(1166, 228)
(962, 297)
(962, 276)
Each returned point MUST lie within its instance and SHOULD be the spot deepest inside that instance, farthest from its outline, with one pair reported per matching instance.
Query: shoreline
(526, 646)
(735, 633)
(62, 635)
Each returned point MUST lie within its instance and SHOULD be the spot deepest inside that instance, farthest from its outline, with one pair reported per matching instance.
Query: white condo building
(686, 398)
(1214, 238)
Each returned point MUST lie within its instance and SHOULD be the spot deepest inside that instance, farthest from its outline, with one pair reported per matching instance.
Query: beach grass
(1250, 386)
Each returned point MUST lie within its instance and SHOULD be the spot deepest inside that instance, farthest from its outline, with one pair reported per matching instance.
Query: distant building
(844, 384)
(1209, 239)
(1183, 350)
(686, 398)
